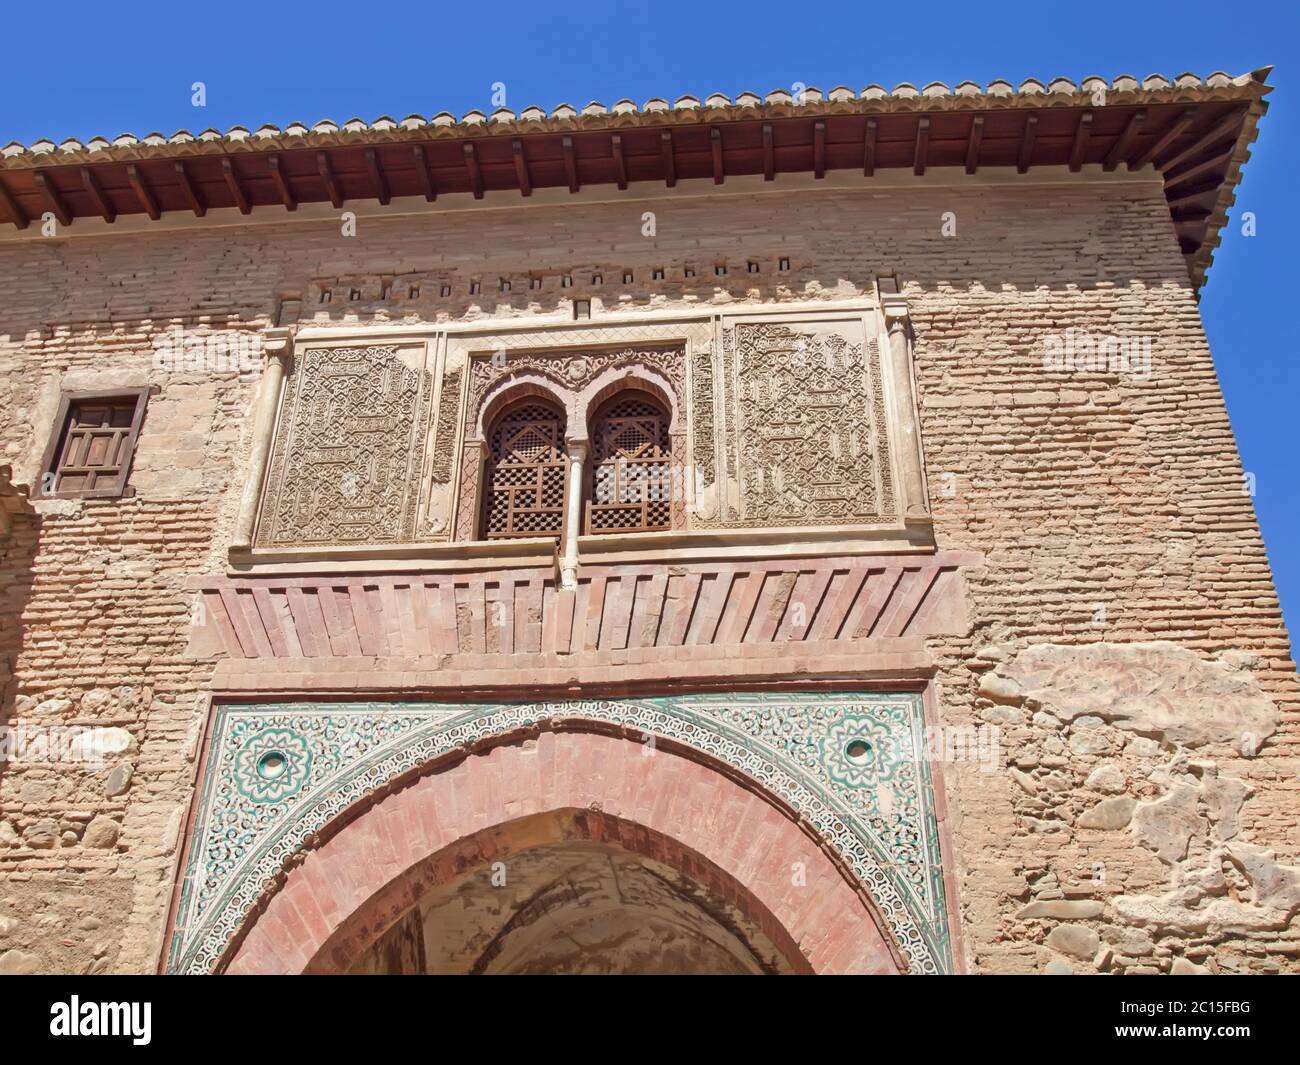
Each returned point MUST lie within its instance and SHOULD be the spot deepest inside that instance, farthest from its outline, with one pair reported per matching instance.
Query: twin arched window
(628, 483)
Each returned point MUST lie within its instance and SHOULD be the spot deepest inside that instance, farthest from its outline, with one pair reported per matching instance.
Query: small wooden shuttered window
(94, 439)
(631, 470)
(526, 472)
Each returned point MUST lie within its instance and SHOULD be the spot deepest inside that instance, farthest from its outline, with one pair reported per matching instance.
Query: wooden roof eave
(1198, 261)
(212, 143)
(80, 192)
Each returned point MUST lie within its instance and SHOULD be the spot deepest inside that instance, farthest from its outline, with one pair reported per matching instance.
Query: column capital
(893, 305)
(278, 342)
(895, 310)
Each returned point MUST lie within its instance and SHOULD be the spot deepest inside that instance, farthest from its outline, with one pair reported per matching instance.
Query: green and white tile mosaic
(852, 764)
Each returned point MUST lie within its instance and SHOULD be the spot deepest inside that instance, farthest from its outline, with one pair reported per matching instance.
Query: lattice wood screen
(526, 474)
(631, 468)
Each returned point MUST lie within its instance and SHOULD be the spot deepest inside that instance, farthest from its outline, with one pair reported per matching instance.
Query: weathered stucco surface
(1148, 723)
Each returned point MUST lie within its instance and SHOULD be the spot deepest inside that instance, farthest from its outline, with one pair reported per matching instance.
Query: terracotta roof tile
(998, 91)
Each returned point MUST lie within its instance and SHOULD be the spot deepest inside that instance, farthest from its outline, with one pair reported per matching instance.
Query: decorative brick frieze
(614, 607)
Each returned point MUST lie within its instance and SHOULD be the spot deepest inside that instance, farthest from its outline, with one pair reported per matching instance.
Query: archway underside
(737, 863)
(580, 905)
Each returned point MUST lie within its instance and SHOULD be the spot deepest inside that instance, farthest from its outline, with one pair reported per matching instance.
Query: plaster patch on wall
(1106, 766)
(1159, 689)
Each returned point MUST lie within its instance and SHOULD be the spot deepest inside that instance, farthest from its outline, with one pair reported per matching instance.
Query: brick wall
(1109, 510)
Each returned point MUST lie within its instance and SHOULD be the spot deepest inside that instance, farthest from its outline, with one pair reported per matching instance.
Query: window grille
(630, 487)
(526, 474)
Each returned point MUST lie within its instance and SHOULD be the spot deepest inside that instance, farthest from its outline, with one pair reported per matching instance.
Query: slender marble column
(573, 515)
(915, 504)
(278, 347)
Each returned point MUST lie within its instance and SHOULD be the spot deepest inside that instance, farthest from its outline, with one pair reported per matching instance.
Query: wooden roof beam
(1027, 144)
(377, 179)
(96, 193)
(1080, 146)
(521, 167)
(143, 193)
(869, 149)
(1213, 163)
(973, 144)
(570, 163)
(475, 171)
(715, 138)
(1166, 139)
(1215, 133)
(332, 189)
(666, 154)
(16, 214)
(282, 183)
(190, 190)
(1119, 150)
(819, 149)
(922, 149)
(53, 200)
(1191, 224)
(620, 165)
(423, 174)
(236, 189)
(1193, 195)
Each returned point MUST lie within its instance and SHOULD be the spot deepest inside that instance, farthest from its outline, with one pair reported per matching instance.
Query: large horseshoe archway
(323, 828)
(727, 837)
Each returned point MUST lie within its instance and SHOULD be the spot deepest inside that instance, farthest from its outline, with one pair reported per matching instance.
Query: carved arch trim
(572, 367)
(633, 376)
(250, 832)
(514, 389)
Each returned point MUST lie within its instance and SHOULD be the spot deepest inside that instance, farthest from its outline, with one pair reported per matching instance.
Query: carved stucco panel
(345, 465)
(808, 443)
(705, 505)
(877, 814)
(442, 462)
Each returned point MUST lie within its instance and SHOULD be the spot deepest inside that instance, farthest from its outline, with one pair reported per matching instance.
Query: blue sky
(100, 71)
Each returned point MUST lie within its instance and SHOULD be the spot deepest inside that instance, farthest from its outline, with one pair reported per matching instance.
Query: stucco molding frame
(451, 430)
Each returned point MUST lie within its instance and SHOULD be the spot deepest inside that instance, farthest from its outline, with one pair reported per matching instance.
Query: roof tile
(999, 89)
